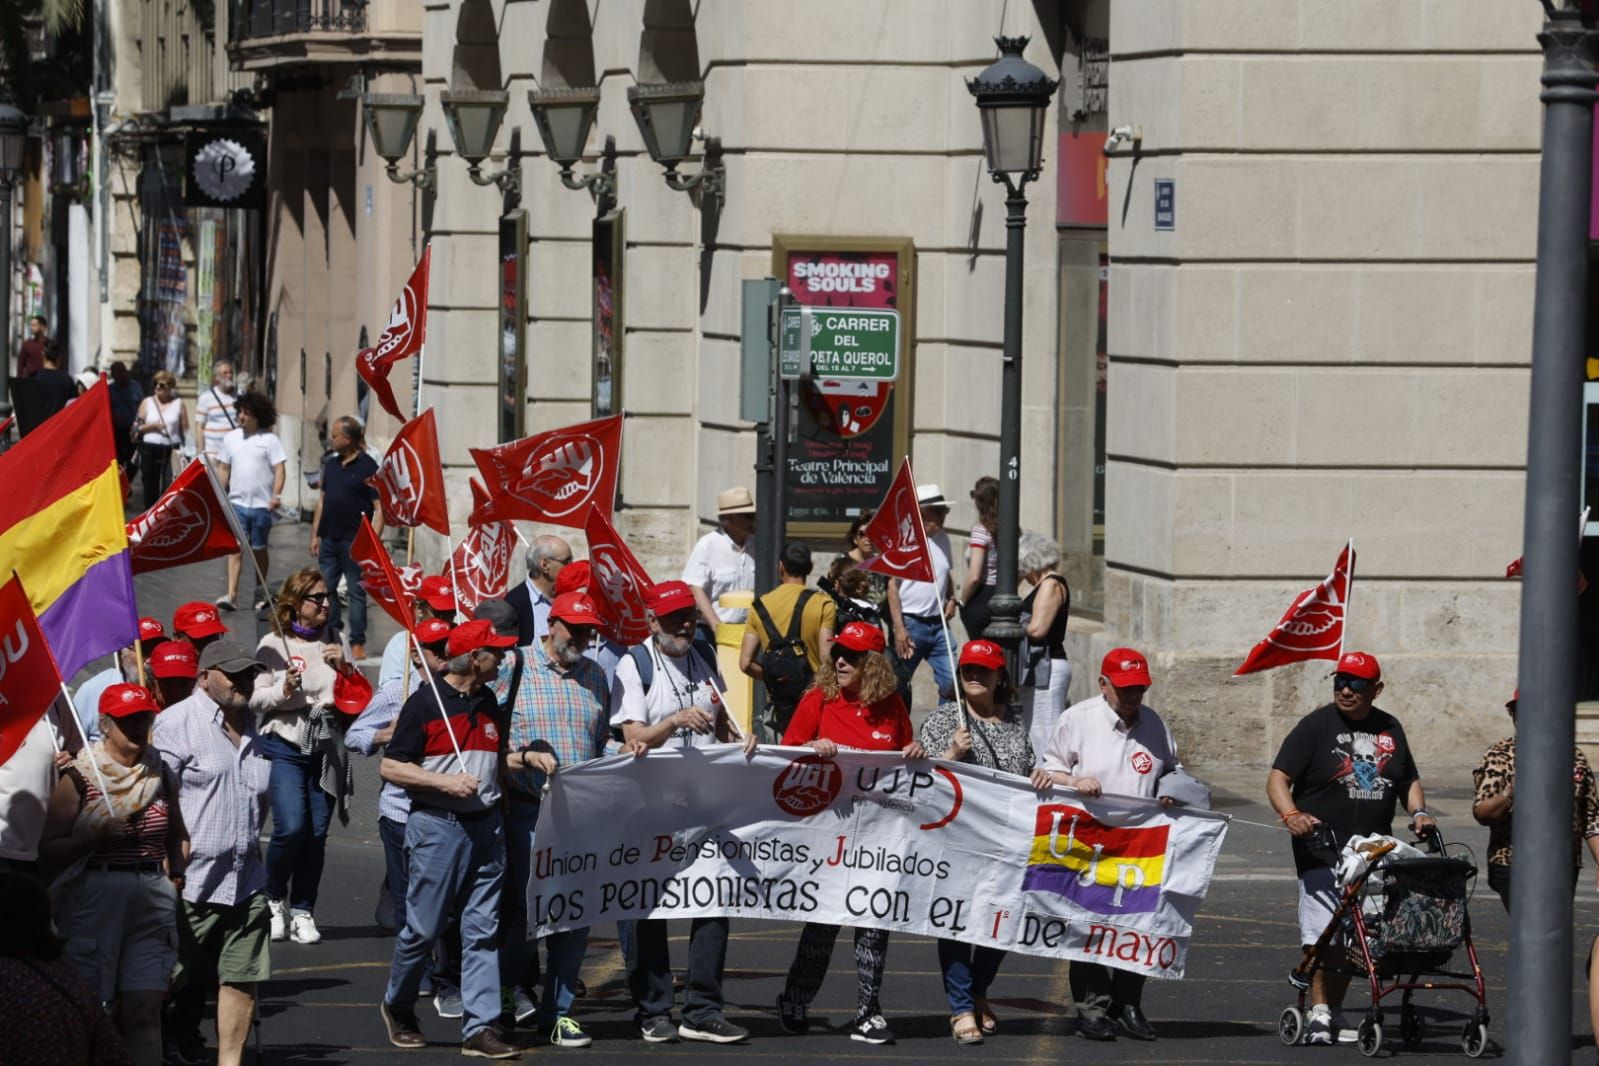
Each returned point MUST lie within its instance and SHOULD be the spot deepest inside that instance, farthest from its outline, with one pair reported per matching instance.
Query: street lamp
(1012, 98)
(391, 120)
(564, 118)
(474, 117)
(66, 159)
(1540, 923)
(668, 119)
(13, 140)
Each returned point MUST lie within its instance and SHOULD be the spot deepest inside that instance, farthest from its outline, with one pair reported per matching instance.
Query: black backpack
(788, 672)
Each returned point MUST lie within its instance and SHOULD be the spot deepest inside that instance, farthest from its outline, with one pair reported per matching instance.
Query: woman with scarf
(302, 733)
(114, 831)
(854, 703)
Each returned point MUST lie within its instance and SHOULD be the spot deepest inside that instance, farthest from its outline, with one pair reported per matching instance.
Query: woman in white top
(159, 429)
(302, 733)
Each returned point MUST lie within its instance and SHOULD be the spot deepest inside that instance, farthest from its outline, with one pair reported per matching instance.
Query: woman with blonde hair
(1046, 671)
(159, 428)
(302, 733)
(854, 703)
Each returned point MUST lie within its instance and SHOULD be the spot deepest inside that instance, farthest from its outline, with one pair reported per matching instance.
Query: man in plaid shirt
(560, 707)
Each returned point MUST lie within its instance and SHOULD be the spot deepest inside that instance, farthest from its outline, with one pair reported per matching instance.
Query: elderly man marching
(724, 559)
(1113, 744)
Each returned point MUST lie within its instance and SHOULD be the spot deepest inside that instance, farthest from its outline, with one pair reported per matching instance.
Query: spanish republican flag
(62, 531)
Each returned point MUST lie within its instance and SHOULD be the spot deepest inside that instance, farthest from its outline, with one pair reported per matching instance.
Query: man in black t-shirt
(344, 499)
(1344, 766)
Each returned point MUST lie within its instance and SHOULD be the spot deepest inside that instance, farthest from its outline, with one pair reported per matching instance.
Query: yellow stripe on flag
(1080, 858)
(51, 549)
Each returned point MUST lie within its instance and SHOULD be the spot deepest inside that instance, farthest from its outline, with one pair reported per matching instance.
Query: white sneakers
(296, 925)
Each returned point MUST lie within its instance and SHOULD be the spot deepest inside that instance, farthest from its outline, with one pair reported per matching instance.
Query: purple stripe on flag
(1101, 899)
(95, 616)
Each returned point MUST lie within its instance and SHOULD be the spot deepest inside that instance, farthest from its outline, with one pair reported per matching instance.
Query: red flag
(401, 339)
(553, 477)
(379, 577)
(618, 579)
(188, 524)
(897, 532)
(1313, 628)
(29, 680)
(482, 561)
(410, 480)
(5, 424)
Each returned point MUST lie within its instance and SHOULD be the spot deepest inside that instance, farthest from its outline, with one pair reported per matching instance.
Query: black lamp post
(1012, 98)
(13, 139)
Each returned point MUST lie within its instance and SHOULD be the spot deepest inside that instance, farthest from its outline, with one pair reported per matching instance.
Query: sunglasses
(318, 597)
(848, 655)
(1353, 684)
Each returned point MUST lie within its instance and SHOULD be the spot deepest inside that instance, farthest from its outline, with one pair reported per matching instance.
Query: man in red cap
(1341, 769)
(435, 599)
(1112, 743)
(174, 664)
(198, 623)
(125, 669)
(453, 837)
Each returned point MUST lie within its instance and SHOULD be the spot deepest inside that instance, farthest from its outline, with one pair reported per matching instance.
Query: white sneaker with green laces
(567, 1033)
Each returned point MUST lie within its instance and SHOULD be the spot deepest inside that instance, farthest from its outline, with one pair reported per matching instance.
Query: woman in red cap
(853, 704)
(991, 731)
(122, 853)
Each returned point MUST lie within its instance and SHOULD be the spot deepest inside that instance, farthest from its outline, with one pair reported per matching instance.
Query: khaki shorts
(234, 936)
(121, 929)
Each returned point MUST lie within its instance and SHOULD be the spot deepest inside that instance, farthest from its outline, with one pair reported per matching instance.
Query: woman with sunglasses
(853, 704)
(302, 733)
(158, 428)
(990, 731)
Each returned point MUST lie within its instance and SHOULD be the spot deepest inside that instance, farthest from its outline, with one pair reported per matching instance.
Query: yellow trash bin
(729, 638)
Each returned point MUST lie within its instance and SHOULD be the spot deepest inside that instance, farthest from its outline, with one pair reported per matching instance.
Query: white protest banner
(870, 839)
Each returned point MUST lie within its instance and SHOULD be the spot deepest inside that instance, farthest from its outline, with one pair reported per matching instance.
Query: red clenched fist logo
(1315, 623)
(560, 480)
(807, 785)
(176, 531)
(1142, 762)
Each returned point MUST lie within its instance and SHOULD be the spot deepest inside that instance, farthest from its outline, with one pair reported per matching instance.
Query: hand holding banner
(410, 480)
(898, 534)
(552, 477)
(190, 523)
(1313, 627)
(29, 680)
(618, 582)
(401, 339)
(379, 577)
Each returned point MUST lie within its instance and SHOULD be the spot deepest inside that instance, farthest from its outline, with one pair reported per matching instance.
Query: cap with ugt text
(437, 593)
(119, 701)
(151, 629)
(198, 619)
(474, 636)
(175, 658)
(1124, 667)
(575, 608)
(861, 636)
(1359, 664)
(984, 653)
(668, 597)
(432, 630)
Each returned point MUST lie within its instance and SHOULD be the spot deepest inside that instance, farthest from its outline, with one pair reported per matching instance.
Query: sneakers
(517, 1003)
(567, 1033)
(302, 928)
(1318, 1026)
(658, 1030)
(486, 1044)
(447, 1001)
(226, 603)
(280, 918)
(792, 1017)
(714, 1030)
(402, 1026)
(1343, 1032)
(872, 1029)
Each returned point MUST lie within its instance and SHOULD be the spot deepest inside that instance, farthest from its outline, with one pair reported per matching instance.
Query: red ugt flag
(190, 523)
(379, 577)
(410, 480)
(553, 477)
(401, 339)
(618, 579)
(1313, 628)
(29, 681)
(482, 561)
(897, 532)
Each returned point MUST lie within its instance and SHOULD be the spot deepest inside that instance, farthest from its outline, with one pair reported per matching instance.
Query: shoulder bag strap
(766, 622)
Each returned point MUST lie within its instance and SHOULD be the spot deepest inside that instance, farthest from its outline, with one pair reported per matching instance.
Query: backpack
(787, 671)
(640, 654)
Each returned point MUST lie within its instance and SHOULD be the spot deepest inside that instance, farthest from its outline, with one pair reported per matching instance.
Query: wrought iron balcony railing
(250, 19)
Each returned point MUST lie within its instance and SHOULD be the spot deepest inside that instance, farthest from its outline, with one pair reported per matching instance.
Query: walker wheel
(1411, 1028)
(1291, 1026)
(1474, 1040)
(1369, 1038)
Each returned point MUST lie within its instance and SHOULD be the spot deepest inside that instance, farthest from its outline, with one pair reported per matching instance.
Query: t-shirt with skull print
(1349, 774)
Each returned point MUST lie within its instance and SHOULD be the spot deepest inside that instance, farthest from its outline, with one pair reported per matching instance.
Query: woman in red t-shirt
(853, 704)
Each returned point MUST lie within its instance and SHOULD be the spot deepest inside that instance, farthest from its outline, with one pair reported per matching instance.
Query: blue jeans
(519, 956)
(968, 971)
(256, 522)
(456, 864)
(333, 558)
(301, 813)
(927, 642)
(649, 971)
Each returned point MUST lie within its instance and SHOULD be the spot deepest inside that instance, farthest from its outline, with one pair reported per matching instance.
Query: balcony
(268, 35)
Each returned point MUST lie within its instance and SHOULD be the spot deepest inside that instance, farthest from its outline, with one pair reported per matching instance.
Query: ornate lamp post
(13, 139)
(391, 120)
(474, 117)
(1012, 98)
(668, 119)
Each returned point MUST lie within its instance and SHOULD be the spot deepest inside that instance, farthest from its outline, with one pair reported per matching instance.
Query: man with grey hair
(345, 498)
(531, 600)
(214, 414)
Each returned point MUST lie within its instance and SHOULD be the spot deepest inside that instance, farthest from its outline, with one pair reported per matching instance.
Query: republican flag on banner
(618, 579)
(897, 532)
(190, 523)
(1313, 628)
(482, 561)
(401, 338)
(552, 477)
(29, 680)
(379, 577)
(410, 480)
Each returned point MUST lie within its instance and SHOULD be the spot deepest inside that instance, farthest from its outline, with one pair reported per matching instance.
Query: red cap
(175, 658)
(119, 701)
(437, 593)
(151, 629)
(1359, 664)
(432, 631)
(1515, 697)
(669, 596)
(198, 619)
(473, 635)
(575, 608)
(574, 577)
(984, 653)
(860, 636)
(1124, 667)
(351, 691)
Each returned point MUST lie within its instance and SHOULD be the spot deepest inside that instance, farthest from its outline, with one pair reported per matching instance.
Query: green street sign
(856, 343)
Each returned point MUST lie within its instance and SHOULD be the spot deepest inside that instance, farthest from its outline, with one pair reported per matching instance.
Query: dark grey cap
(230, 657)
(499, 614)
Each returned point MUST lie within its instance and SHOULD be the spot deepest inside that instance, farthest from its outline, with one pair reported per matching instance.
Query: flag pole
(438, 701)
(949, 650)
(245, 549)
(72, 708)
(1349, 595)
